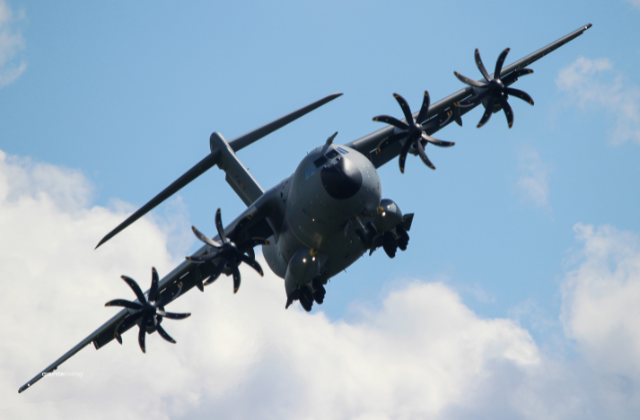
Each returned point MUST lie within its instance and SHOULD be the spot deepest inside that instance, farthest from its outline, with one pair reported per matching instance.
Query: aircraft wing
(442, 114)
(250, 224)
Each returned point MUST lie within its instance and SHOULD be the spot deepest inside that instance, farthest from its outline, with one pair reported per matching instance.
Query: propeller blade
(124, 303)
(405, 108)
(219, 227)
(116, 333)
(173, 315)
(384, 143)
(390, 120)
(487, 112)
(423, 155)
(168, 298)
(204, 238)
(252, 263)
(136, 289)
(457, 116)
(481, 66)
(512, 77)
(250, 243)
(479, 97)
(422, 115)
(164, 334)
(153, 291)
(403, 154)
(236, 278)
(519, 94)
(508, 112)
(216, 273)
(141, 333)
(436, 142)
(500, 62)
(466, 80)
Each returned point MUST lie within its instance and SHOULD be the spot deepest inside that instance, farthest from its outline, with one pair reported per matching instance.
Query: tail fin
(215, 156)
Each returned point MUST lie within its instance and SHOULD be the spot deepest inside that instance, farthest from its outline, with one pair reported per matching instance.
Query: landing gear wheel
(318, 295)
(389, 244)
(403, 239)
(306, 298)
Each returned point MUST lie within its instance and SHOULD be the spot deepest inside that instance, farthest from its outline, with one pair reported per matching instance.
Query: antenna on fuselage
(330, 139)
(329, 142)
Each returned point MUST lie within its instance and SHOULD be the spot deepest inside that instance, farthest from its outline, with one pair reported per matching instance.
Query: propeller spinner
(495, 88)
(412, 130)
(149, 310)
(230, 254)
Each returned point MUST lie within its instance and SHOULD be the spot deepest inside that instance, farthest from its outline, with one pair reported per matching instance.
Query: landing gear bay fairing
(321, 219)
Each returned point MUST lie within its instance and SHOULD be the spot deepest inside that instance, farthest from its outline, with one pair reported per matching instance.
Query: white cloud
(533, 182)
(601, 310)
(424, 354)
(11, 43)
(597, 83)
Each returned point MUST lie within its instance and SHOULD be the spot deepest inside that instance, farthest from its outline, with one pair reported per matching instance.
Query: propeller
(495, 90)
(413, 130)
(149, 310)
(230, 254)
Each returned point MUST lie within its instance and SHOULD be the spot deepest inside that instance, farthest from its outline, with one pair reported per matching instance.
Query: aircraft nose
(341, 180)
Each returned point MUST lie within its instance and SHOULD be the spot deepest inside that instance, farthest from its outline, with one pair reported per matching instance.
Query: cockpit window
(310, 170)
(341, 150)
(331, 154)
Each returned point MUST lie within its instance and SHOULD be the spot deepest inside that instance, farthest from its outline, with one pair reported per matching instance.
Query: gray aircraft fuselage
(334, 192)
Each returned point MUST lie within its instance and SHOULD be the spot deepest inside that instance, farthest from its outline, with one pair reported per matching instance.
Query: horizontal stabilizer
(209, 161)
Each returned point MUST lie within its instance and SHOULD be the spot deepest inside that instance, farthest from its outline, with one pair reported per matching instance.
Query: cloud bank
(423, 354)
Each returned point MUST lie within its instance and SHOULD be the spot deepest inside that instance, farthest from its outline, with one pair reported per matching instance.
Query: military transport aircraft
(321, 219)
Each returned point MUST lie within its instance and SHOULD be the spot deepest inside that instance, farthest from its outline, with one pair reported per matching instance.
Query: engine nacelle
(388, 229)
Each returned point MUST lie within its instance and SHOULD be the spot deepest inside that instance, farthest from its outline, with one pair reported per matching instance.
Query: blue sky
(127, 95)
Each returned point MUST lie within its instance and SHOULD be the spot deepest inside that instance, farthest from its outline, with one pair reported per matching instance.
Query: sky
(517, 296)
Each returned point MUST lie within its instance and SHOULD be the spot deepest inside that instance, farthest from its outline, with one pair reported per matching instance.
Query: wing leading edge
(251, 223)
(443, 110)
